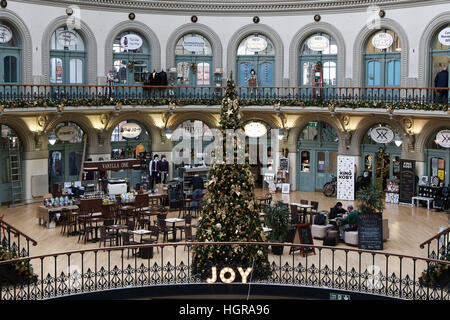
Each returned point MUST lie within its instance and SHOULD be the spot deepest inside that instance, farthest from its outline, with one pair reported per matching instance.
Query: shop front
(380, 155)
(437, 155)
(67, 143)
(317, 156)
(11, 170)
(128, 140)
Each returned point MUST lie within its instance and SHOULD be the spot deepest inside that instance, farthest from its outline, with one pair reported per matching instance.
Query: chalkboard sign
(302, 235)
(284, 164)
(370, 231)
(407, 180)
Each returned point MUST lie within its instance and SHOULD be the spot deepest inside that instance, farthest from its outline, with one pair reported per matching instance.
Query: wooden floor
(408, 228)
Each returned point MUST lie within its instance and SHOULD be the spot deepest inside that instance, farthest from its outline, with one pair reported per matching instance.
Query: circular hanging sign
(66, 133)
(318, 43)
(130, 130)
(131, 41)
(194, 44)
(382, 134)
(5, 34)
(444, 37)
(66, 38)
(255, 129)
(443, 138)
(382, 40)
(256, 44)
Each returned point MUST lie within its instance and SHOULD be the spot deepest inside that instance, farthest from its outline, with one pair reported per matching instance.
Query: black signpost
(407, 181)
(370, 231)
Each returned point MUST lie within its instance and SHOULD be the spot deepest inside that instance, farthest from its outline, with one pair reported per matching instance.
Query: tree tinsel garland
(98, 102)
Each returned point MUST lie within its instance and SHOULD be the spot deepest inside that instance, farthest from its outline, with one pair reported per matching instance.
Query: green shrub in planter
(15, 272)
(277, 218)
(370, 199)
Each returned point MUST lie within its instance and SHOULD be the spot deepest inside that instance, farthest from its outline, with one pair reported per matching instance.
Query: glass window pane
(56, 163)
(332, 168)
(118, 47)
(395, 47)
(203, 73)
(56, 70)
(321, 161)
(120, 71)
(243, 51)
(76, 71)
(329, 73)
(63, 39)
(307, 73)
(305, 161)
(180, 49)
(183, 72)
(75, 162)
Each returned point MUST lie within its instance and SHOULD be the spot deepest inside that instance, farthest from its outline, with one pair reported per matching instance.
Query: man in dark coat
(441, 81)
(163, 169)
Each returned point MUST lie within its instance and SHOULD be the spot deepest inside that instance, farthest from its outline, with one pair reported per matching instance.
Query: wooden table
(141, 233)
(305, 207)
(116, 228)
(155, 197)
(174, 232)
(428, 200)
(43, 213)
(96, 221)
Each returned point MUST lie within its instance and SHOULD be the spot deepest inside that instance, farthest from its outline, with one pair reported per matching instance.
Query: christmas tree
(229, 212)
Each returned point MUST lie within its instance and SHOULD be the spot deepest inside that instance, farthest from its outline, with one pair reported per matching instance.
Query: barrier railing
(438, 246)
(16, 93)
(15, 241)
(334, 268)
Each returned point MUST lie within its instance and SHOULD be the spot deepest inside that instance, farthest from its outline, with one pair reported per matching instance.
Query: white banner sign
(346, 178)
(131, 42)
(382, 135)
(5, 34)
(382, 40)
(194, 44)
(256, 44)
(444, 37)
(443, 138)
(130, 130)
(66, 133)
(318, 43)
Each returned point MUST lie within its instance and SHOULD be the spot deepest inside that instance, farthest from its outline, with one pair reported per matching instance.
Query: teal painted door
(380, 166)
(131, 70)
(201, 76)
(64, 162)
(9, 72)
(119, 151)
(5, 179)
(307, 65)
(438, 163)
(307, 169)
(265, 73)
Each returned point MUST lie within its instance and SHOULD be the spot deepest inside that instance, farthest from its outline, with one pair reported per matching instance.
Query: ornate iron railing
(333, 268)
(438, 246)
(15, 241)
(24, 95)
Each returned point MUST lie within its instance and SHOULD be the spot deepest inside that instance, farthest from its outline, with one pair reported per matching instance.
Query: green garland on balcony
(327, 104)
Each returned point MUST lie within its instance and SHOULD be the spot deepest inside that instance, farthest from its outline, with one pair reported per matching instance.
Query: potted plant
(436, 275)
(277, 218)
(370, 199)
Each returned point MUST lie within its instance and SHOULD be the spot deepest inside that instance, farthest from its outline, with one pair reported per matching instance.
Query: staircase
(15, 175)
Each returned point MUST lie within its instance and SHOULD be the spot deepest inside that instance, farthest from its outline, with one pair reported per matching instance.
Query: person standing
(441, 81)
(153, 172)
(163, 169)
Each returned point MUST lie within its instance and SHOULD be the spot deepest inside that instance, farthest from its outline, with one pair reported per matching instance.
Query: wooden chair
(295, 215)
(154, 234)
(188, 237)
(162, 226)
(85, 228)
(104, 236)
(303, 201)
(68, 222)
(127, 241)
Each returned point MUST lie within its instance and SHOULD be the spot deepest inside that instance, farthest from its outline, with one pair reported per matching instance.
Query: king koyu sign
(346, 178)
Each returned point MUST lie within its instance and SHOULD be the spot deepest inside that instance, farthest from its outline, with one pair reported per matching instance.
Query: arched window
(67, 57)
(193, 58)
(10, 51)
(256, 52)
(319, 47)
(382, 59)
(439, 56)
(131, 55)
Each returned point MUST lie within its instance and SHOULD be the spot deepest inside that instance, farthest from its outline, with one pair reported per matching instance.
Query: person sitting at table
(336, 211)
(349, 223)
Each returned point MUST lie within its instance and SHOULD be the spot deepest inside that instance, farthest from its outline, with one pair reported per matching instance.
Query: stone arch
(179, 118)
(269, 119)
(26, 44)
(24, 134)
(303, 120)
(82, 121)
(202, 29)
(150, 36)
(265, 30)
(301, 36)
(425, 43)
(90, 43)
(358, 49)
(365, 124)
(428, 129)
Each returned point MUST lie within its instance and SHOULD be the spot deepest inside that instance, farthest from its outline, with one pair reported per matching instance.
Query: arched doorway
(256, 52)
(201, 137)
(440, 62)
(382, 60)
(438, 158)
(317, 155)
(10, 57)
(128, 139)
(381, 157)
(67, 58)
(65, 149)
(131, 61)
(11, 179)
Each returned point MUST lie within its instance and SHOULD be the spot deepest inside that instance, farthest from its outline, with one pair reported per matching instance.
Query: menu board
(284, 164)
(302, 235)
(370, 231)
(407, 180)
